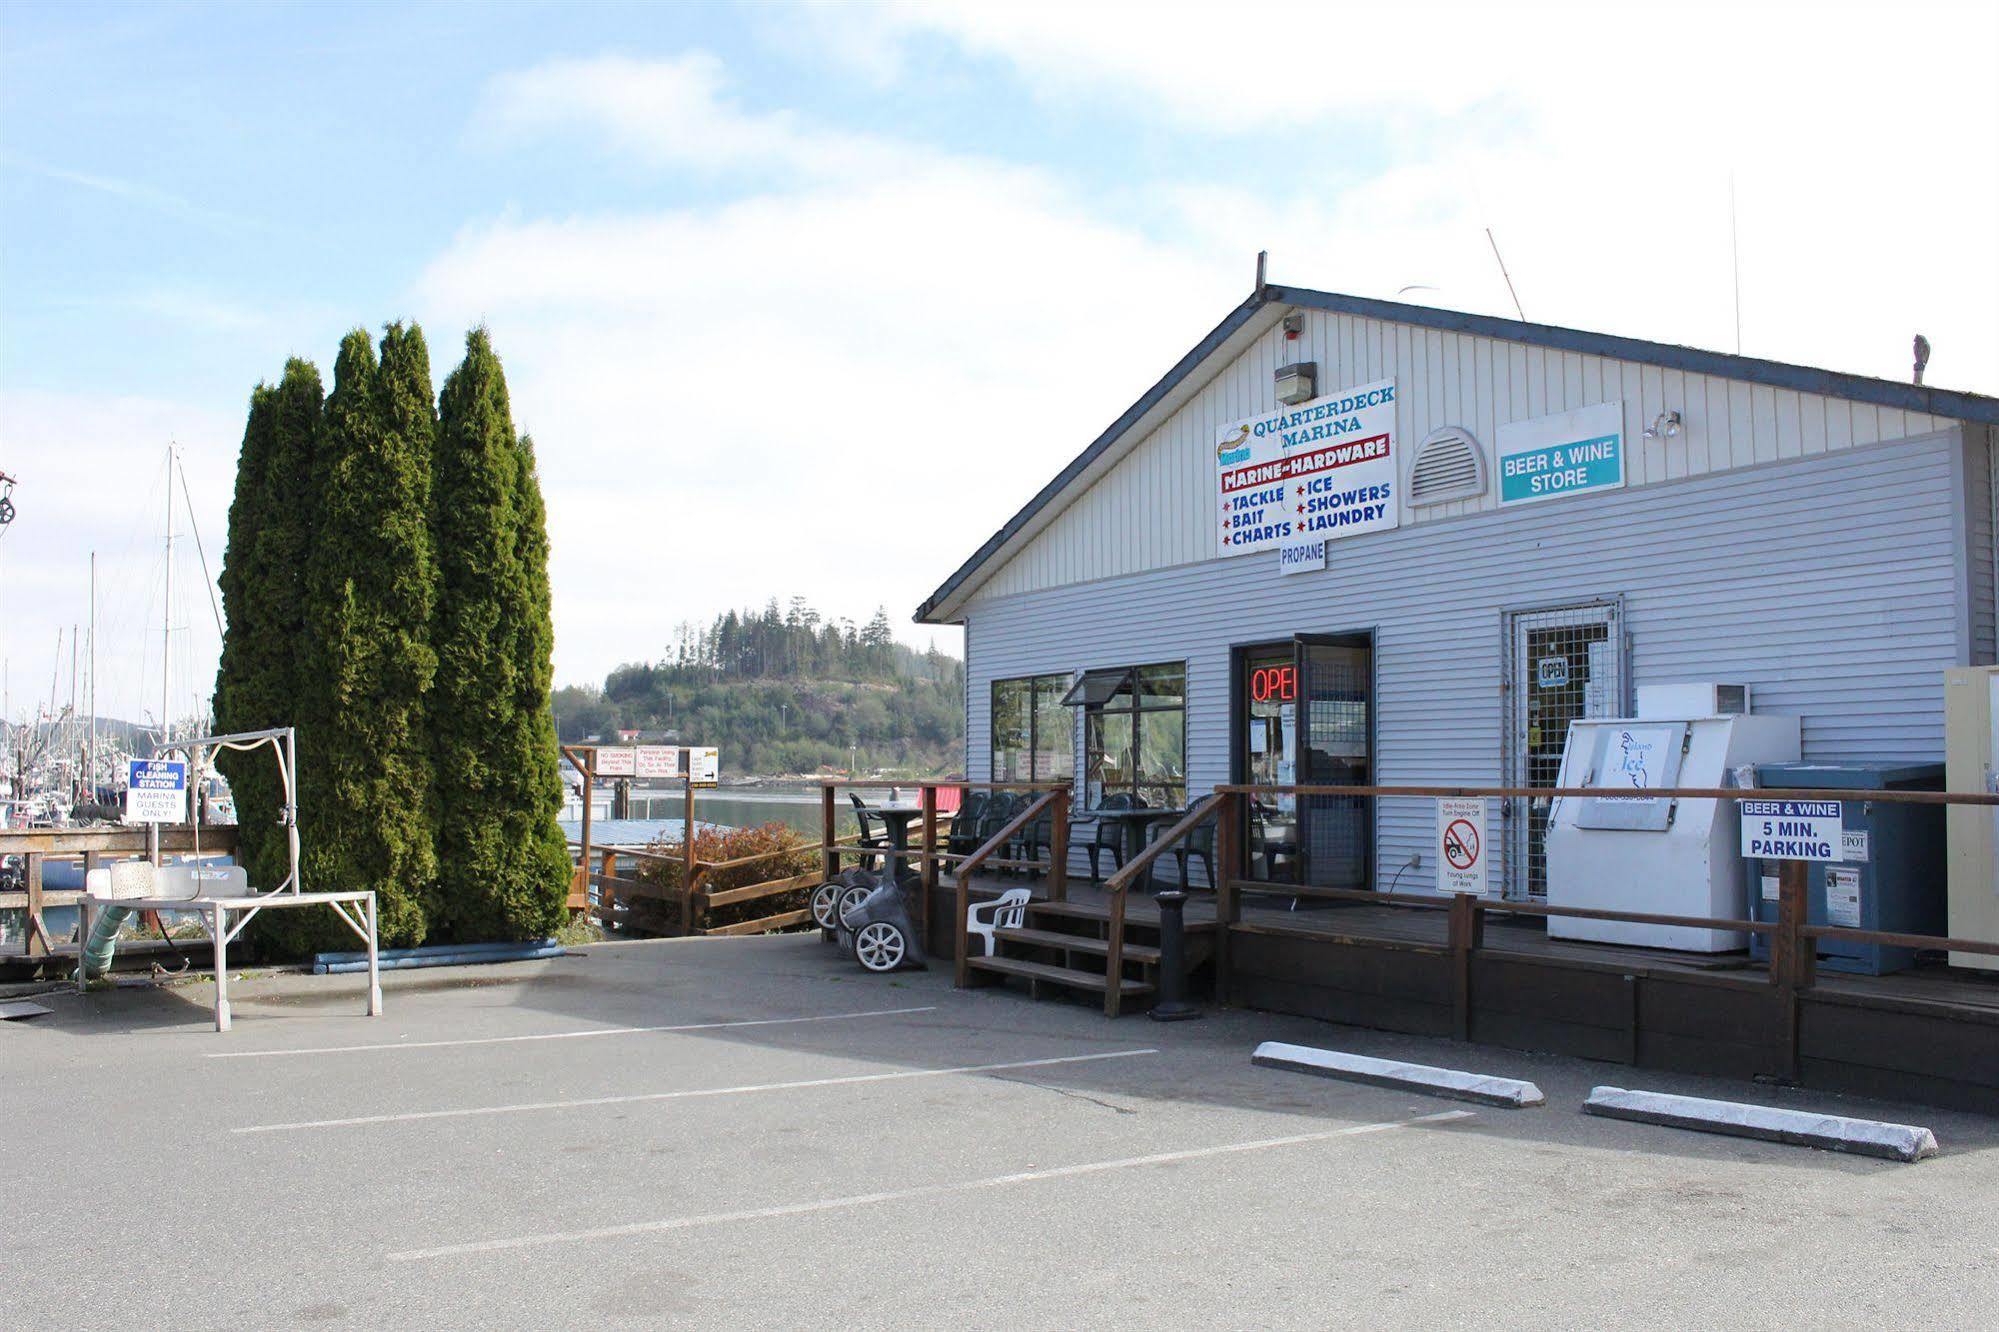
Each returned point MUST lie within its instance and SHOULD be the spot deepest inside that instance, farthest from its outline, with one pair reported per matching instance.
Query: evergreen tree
(249, 678)
(270, 533)
(371, 583)
(502, 860)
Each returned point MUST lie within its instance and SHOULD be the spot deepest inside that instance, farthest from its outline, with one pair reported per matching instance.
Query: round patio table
(897, 818)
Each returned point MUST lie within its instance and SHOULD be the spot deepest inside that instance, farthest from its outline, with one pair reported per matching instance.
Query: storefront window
(1134, 734)
(1033, 735)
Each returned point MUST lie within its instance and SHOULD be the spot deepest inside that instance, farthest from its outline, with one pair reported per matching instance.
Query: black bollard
(1173, 1005)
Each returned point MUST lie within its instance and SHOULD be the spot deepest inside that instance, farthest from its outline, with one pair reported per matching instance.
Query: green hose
(103, 940)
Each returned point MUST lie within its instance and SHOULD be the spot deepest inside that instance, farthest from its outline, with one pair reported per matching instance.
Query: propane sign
(1461, 849)
(156, 791)
(1792, 830)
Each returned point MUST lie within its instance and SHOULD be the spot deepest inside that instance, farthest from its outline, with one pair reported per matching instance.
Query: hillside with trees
(785, 691)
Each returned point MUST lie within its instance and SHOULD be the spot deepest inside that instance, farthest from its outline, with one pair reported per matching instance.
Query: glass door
(1267, 755)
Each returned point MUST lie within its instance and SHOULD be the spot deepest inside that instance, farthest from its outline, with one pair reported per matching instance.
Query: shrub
(712, 845)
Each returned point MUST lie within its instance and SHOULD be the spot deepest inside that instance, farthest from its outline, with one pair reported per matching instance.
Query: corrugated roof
(1776, 374)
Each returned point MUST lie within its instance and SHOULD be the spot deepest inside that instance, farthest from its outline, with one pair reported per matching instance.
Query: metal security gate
(1563, 663)
(1336, 748)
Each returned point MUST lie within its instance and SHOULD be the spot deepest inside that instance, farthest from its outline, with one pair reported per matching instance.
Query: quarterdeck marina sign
(1304, 475)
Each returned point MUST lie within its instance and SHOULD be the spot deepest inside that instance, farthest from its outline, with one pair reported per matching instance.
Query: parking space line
(567, 1035)
(846, 1081)
(921, 1191)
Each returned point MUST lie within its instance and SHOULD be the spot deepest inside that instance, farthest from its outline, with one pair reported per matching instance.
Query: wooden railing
(1793, 967)
(616, 898)
(1139, 868)
(92, 846)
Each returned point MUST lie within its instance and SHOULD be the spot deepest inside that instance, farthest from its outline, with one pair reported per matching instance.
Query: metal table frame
(214, 913)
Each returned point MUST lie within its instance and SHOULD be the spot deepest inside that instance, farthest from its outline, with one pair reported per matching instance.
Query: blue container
(1893, 877)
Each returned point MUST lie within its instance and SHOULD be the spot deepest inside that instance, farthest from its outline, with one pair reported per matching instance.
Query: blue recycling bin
(1892, 877)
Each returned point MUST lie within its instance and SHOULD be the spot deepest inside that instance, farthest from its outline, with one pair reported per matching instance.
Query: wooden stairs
(1063, 948)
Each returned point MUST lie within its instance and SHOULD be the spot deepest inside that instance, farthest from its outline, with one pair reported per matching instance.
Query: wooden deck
(1930, 982)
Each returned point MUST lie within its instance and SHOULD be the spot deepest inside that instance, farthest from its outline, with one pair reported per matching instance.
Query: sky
(808, 299)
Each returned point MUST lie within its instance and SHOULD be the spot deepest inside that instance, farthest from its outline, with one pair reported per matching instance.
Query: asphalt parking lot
(753, 1132)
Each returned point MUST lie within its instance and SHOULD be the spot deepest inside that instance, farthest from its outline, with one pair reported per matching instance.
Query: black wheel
(824, 899)
(879, 946)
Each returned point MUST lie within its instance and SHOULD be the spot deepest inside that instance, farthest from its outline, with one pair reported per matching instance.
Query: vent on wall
(1449, 465)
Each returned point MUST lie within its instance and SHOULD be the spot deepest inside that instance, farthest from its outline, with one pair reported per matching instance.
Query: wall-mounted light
(1297, 382)
(1664, 426)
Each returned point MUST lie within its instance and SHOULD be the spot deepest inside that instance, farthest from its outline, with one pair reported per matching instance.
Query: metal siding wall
(1981, 496)
(1151, 511)
(1830, 586)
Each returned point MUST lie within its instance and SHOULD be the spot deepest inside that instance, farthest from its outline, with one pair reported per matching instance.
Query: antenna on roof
(1508, 276)
(1735, 262)
(1262, 264)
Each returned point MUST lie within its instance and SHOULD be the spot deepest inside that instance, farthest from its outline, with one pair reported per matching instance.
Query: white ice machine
(1625, 851)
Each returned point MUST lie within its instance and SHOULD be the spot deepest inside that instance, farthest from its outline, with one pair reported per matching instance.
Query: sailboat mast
(167, 617)
(90, 751)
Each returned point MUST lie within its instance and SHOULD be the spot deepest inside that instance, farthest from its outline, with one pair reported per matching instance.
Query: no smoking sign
(1461, 859)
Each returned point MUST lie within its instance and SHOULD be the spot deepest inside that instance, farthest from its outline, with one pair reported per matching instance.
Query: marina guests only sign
(1309, 474)
(156, 791)
(1564, 454)
(1792, 830)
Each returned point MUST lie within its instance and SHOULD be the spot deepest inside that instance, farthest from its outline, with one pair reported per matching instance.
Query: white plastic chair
(1007, 911)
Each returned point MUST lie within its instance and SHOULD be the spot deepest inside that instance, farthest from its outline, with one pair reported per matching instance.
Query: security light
(1664, 426)
(1298, 382)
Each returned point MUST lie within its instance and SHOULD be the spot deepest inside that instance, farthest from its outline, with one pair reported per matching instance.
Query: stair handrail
(962, 875)
(1118, 882)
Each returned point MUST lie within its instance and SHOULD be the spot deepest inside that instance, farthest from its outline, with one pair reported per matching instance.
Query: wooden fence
(618, 898)
(37, 847)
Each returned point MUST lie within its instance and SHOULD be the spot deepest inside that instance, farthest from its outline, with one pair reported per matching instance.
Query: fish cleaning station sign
(156, 791)
(1792, 829)
(1563, 454)
(1316, 472)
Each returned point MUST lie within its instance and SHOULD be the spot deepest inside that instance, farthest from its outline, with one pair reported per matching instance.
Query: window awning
(1097, 687)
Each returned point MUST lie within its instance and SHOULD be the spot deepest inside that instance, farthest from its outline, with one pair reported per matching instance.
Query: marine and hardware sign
(1320, 471)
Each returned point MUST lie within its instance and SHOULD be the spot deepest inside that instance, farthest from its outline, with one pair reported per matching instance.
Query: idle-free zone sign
(1791, 829)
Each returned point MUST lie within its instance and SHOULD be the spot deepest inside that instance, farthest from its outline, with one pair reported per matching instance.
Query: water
(796, 808)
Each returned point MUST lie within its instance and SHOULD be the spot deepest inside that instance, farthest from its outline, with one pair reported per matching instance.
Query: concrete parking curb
(1802, 1128)
(1481, 1088)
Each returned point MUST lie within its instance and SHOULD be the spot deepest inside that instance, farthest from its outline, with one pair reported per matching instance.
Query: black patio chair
(871, 834)
(999, 812)
(1105, 834)
(1036, 837)
(1200, 842)
(963, 837)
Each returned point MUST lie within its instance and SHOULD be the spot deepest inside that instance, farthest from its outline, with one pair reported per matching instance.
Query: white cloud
(673, 112)
(1598, 141)
(839, 385)
(836, 393)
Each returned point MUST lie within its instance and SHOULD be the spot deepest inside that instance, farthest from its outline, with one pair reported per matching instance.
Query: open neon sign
(1274, 684)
